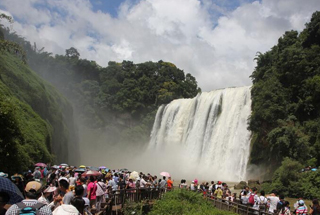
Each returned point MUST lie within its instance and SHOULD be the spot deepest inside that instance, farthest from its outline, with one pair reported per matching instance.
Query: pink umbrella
(91, 172)
(41, 164)
(165, 174)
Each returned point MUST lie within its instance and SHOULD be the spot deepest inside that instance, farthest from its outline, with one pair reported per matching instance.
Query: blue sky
(214, 40)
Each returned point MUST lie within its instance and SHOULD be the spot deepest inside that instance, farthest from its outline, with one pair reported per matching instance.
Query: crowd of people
(68, 190)
(259, 201)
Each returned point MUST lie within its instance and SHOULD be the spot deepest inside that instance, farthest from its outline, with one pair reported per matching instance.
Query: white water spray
(208, 134)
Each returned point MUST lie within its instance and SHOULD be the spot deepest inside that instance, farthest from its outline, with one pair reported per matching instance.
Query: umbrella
(102, 167)
(124, 170)
(41, 164)
(55, 167)
(93, 168)
(165, 174)
(64, 164)
(80, 170)
(91, 172)
(82, 166)
(134, 175)
(7, 186)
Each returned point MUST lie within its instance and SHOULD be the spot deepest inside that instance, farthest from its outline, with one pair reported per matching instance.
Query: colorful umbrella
(134, 175)
(82, 166)
(91, 172)
(64, 164)
(41, 164)
(7, 186)
(102, 167)
(124, 170)
(165, 174)
(80, 170)
(17, 176)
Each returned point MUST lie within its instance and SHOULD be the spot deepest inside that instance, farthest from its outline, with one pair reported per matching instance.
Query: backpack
(29, 210)
(263, 204)
(251, 199)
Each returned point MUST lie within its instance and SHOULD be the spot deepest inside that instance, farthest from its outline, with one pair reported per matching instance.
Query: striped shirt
(15, 210)
(302, 210)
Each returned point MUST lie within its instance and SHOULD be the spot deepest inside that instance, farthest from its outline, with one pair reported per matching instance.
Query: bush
(184, 202)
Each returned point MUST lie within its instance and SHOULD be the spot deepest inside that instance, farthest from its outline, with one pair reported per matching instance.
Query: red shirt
(92, 188)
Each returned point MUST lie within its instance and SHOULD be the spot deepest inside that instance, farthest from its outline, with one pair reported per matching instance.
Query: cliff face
(41, 117)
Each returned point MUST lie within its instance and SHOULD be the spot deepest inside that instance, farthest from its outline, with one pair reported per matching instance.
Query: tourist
(183, 184)
(169, 184)
(64, 188)
(72, 181)
(163, 183)
(315, 208)
(285, 209)
(193, 187)
(37, 174)
(66, 210)
(101, 190)
(263, 201)
(244, 198)
(33, 192)
(48, 199)
(4, 199)
(78, 203)
(302, 209)
(256, 200)
(218, 193)
(273, 201)
(91, 190)
(79, 191)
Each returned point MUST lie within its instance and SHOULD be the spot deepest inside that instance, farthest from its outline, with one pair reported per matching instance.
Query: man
(256, 200)
(273, 200)
(4, 199)
(64, 188)
(91, 190)
(33, 192)
(163, 183)
(37, 174)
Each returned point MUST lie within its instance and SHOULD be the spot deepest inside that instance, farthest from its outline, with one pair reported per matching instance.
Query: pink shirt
(92, 188)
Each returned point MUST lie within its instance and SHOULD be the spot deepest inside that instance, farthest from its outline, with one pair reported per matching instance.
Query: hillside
(36, 121)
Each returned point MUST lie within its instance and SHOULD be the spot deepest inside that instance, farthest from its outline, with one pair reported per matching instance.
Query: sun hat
(2, 174)
(50, 189)
(66, 210)
(33, 185)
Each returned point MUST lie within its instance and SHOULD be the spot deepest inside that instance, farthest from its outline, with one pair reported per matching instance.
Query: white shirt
(142, 183)
(273, 203)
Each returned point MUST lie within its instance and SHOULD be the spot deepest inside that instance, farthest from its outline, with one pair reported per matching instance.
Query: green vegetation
(185, 202)
(285, 118)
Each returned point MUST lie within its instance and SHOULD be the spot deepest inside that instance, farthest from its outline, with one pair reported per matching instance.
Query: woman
(315, 209)
(48, 198)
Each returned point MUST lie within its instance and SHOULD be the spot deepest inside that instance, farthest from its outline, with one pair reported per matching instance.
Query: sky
(214, 40)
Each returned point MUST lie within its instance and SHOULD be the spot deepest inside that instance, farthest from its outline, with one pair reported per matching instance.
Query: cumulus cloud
(213, 41)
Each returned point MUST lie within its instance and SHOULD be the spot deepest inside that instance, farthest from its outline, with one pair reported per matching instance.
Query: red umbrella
(91, 172)
(41, 164)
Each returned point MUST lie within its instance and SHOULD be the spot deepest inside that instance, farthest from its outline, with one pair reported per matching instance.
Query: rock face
(240, 186)
(254, 183)
(36, 101)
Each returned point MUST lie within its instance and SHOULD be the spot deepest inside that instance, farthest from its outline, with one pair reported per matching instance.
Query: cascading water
(206, 135)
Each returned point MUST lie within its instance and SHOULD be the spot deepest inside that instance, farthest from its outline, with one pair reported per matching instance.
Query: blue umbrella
(7, 186)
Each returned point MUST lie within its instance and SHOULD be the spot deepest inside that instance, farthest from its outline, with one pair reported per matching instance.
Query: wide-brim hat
(50, 190)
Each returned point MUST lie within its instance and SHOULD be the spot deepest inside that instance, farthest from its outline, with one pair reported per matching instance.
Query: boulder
(240, 185)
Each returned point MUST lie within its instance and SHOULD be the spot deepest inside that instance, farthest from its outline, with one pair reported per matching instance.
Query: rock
(240, 185)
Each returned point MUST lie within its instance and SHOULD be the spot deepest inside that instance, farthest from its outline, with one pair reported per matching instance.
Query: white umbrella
(165, 174)
(134, 175)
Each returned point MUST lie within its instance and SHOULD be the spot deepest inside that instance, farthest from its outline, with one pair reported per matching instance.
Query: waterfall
(207, 134)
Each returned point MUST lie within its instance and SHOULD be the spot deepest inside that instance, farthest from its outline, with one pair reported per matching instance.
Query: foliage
(290, 181)
(184, 202)
(286, 100)
(34, 117)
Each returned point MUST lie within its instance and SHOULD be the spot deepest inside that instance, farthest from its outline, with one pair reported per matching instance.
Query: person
(285, 209)
(72, 181)
(193, 187)
(183, 184)
(18, 181)
(256, 200)
(315, 208)
(37, 174)
(263, 201)
(33, 192)
(302, 209)
(244, 198)
(47, 197)
(101, 190)
(280, 202)
(85, 187)
(92, 188)
(163, 183)
(273, 199)
(169, 184)
(79, 191)
(66, 193)
(78, 203)
(218, 193)
(4, 199)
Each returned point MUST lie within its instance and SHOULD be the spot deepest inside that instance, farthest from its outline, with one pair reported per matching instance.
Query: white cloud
(217, 49)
